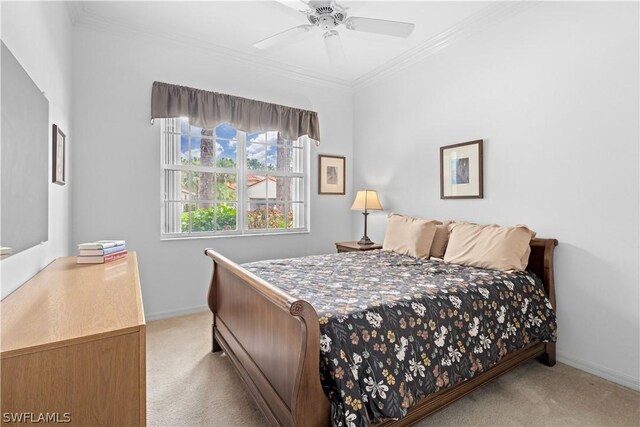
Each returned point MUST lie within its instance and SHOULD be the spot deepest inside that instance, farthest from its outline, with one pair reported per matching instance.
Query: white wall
(117, 159)
(554, 94)
(553, 91)
(39, 34)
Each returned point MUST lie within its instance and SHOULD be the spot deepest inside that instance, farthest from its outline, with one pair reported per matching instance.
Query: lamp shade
(366, 200)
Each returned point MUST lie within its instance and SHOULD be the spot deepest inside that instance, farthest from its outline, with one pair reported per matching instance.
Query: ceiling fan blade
(333, 45)
(283, 36)
(296, 5)
(379, 26)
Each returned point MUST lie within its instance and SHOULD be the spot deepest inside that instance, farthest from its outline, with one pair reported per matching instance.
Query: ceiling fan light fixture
(327, 15)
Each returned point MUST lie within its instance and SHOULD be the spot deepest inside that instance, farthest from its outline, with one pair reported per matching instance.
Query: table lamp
(366, 200)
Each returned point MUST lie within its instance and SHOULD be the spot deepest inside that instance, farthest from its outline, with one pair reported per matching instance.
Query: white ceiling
(233, 27)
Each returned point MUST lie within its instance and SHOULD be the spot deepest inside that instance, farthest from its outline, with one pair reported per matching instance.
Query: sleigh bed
(274, 340)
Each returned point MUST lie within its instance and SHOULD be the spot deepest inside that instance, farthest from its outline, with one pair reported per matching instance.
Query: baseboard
(600, 371)
(173, 313)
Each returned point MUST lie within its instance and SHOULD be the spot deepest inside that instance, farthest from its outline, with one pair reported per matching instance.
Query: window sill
(231, 236)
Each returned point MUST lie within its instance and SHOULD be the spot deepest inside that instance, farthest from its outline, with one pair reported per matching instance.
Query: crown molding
(474, 24)
(485, 18)
(92, 21)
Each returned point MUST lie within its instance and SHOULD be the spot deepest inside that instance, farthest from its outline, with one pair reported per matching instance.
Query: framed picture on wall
(331, 174)
(58, 156)
(461, 171)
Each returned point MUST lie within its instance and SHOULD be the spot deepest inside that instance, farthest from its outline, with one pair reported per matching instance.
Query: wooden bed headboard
(541, 264)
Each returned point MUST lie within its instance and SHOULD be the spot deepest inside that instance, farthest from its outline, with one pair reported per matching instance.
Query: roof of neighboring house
(253, 180)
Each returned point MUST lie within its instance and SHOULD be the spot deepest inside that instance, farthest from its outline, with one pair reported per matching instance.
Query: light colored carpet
(187, 385)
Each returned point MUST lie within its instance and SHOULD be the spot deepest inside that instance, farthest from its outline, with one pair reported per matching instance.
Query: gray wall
(39, 36)
(553, 92)
(117, 159)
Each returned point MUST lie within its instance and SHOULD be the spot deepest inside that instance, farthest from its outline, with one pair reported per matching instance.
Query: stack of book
(101, 251)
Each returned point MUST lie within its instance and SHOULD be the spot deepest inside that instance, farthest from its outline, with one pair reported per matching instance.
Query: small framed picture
(59, 154)
(461, 171)
(331, 171)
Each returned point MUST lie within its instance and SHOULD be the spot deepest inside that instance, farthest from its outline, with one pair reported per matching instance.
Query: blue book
(114, 249)
(101, 244)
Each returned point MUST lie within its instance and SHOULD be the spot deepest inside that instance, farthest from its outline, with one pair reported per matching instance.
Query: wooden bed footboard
(273, 341)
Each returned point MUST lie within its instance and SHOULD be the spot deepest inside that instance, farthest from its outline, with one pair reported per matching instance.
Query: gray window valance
(209, 109)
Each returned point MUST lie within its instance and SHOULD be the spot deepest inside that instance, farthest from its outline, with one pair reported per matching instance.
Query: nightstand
(353, 246)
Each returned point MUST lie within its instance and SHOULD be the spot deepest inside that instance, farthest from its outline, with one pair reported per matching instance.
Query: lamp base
(365, 241)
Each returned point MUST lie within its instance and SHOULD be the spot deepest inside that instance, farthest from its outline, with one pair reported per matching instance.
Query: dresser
(73, 345)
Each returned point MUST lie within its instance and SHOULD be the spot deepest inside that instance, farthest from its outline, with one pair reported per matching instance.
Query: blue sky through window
(260, 145)
(225, 141)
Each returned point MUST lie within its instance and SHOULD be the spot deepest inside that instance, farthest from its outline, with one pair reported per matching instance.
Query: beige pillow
(440, 240)
(489, 246)
(409, 236)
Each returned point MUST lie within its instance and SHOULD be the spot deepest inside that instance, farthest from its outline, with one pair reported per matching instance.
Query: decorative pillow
(409, 236)
(489, 246)
(440, 240)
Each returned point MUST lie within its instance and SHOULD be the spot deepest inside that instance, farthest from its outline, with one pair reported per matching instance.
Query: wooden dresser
(73, 345)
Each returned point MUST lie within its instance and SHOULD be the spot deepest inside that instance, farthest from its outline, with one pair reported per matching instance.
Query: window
(224, 181)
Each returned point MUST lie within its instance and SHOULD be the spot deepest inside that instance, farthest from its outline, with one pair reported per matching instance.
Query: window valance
(209, 109)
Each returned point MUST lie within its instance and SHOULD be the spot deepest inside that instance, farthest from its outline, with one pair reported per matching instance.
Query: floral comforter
(395, 328)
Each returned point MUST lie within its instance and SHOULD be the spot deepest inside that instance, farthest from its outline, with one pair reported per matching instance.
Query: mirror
(24, 141)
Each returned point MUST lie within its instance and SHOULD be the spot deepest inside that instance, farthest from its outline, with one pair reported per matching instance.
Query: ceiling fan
(329, 16)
